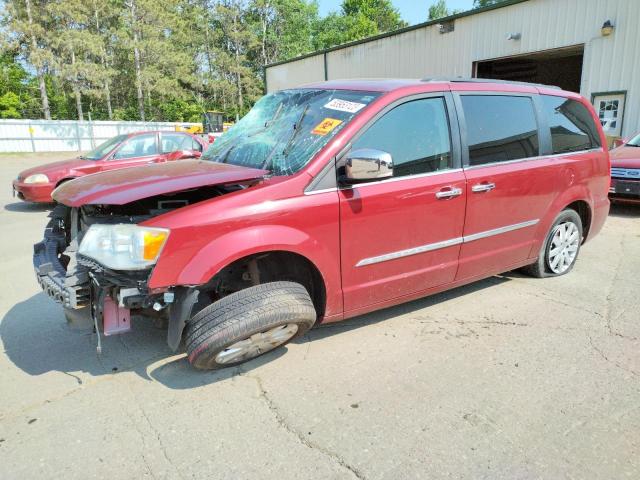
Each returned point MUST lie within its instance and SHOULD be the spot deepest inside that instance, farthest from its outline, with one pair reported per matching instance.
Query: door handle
(448, 192)
(483, 187)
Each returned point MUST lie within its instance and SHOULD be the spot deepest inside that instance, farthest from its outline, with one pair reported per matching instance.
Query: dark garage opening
(560, 67)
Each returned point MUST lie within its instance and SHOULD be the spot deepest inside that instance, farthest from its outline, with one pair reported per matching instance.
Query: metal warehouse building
(587, 46)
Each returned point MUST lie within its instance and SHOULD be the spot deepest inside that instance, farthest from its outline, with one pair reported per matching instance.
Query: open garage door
(561, 67)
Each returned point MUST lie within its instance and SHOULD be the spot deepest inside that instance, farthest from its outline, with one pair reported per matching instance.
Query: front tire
(247, 324)
(561, 247)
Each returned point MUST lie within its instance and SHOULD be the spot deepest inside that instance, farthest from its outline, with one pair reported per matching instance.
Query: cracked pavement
(510, 377)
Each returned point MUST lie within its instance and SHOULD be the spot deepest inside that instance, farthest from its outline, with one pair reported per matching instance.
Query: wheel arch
(583, 209)
(273, 265)
(577, 198)
(64, 180)
(231, 278)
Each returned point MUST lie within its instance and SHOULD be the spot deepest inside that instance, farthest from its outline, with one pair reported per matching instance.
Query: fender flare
(200, 269)
(576, 193)
(247, 241)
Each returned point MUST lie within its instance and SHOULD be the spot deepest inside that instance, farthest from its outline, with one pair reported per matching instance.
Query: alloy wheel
(563, 250)
(257, 344)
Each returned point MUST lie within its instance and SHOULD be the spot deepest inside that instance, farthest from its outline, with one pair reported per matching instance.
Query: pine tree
(29, 23)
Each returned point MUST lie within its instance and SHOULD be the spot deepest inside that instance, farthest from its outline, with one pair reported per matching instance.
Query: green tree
(154, 32)
(381, 12)
(336, 29)
(18, 92)
(237, 42)
(161, 59)
(103, 22)
(284, 28)
(358, 19)
(29, 24)
(10, 105)
(439, 9)
(75, 46)
(485, 3)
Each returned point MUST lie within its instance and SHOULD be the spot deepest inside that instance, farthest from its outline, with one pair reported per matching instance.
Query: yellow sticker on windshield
(325, 126)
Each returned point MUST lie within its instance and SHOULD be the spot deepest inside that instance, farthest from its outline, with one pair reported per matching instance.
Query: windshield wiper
(296, 129)
(268, 123)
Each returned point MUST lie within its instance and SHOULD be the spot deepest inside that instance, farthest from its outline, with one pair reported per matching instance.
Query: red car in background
(625, 172)
(126, 150)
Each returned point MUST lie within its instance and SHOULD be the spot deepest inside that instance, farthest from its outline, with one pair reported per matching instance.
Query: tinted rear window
(500, 128)
(572, 126)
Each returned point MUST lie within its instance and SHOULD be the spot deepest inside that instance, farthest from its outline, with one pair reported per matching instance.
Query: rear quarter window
(573, 128)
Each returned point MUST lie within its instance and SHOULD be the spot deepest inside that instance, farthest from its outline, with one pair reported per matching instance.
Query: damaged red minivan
(330, 201)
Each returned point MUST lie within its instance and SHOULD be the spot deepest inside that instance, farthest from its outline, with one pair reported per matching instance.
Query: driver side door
(402, 235)
(135, 151)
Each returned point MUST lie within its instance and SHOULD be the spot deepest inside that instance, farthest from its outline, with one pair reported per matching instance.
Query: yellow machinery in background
(213, 125)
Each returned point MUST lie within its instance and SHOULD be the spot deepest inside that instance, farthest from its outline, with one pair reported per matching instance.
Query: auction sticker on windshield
(325, 126)
(345, 106)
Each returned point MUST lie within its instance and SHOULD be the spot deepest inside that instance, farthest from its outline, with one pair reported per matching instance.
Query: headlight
(123, 246)
(37, 178)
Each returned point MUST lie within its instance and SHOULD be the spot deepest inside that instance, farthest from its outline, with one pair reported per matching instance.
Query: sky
(413, 11)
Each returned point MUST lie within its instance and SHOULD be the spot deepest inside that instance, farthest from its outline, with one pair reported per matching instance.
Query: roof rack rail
(485, 80)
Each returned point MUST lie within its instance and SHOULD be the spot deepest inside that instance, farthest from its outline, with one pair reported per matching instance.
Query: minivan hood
(126, 185)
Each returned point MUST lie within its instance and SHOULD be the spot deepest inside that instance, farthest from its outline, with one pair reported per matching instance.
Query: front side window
(104, 148)
(285, 129)
(416, 134)
(500, 128)
(174, 142)
(572, 126)
(138, 146)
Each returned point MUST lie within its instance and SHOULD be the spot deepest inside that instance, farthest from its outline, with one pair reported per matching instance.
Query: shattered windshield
(285, 129)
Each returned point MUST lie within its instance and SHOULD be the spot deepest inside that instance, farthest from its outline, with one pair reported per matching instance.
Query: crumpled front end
(54, 260)
(110, 291)
(82, 284)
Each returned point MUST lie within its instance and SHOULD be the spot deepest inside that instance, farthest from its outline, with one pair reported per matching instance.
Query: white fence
(67, 135)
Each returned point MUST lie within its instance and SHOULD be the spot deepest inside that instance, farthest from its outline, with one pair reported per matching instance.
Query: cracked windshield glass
(285, 129)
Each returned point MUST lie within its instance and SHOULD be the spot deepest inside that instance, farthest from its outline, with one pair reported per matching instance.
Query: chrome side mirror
(366, 165)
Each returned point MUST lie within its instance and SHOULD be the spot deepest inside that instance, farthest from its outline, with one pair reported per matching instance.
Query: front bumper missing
(68, 285)
(108, 296)
(80, 283)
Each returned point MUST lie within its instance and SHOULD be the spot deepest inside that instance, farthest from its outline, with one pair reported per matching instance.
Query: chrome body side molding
(445, 243)
(498, 231)
(410, 251)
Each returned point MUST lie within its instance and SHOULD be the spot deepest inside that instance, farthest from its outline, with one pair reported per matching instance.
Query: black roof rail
(485, 80)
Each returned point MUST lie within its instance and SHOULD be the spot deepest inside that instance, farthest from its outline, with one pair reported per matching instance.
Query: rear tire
(560, 249)
(247, 324)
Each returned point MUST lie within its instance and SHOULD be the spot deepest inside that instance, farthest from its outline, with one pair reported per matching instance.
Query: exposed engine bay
(81, 283)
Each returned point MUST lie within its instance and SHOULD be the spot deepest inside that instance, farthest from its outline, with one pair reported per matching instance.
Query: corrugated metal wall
(67, 135)
(310, 69)
(610, 63)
